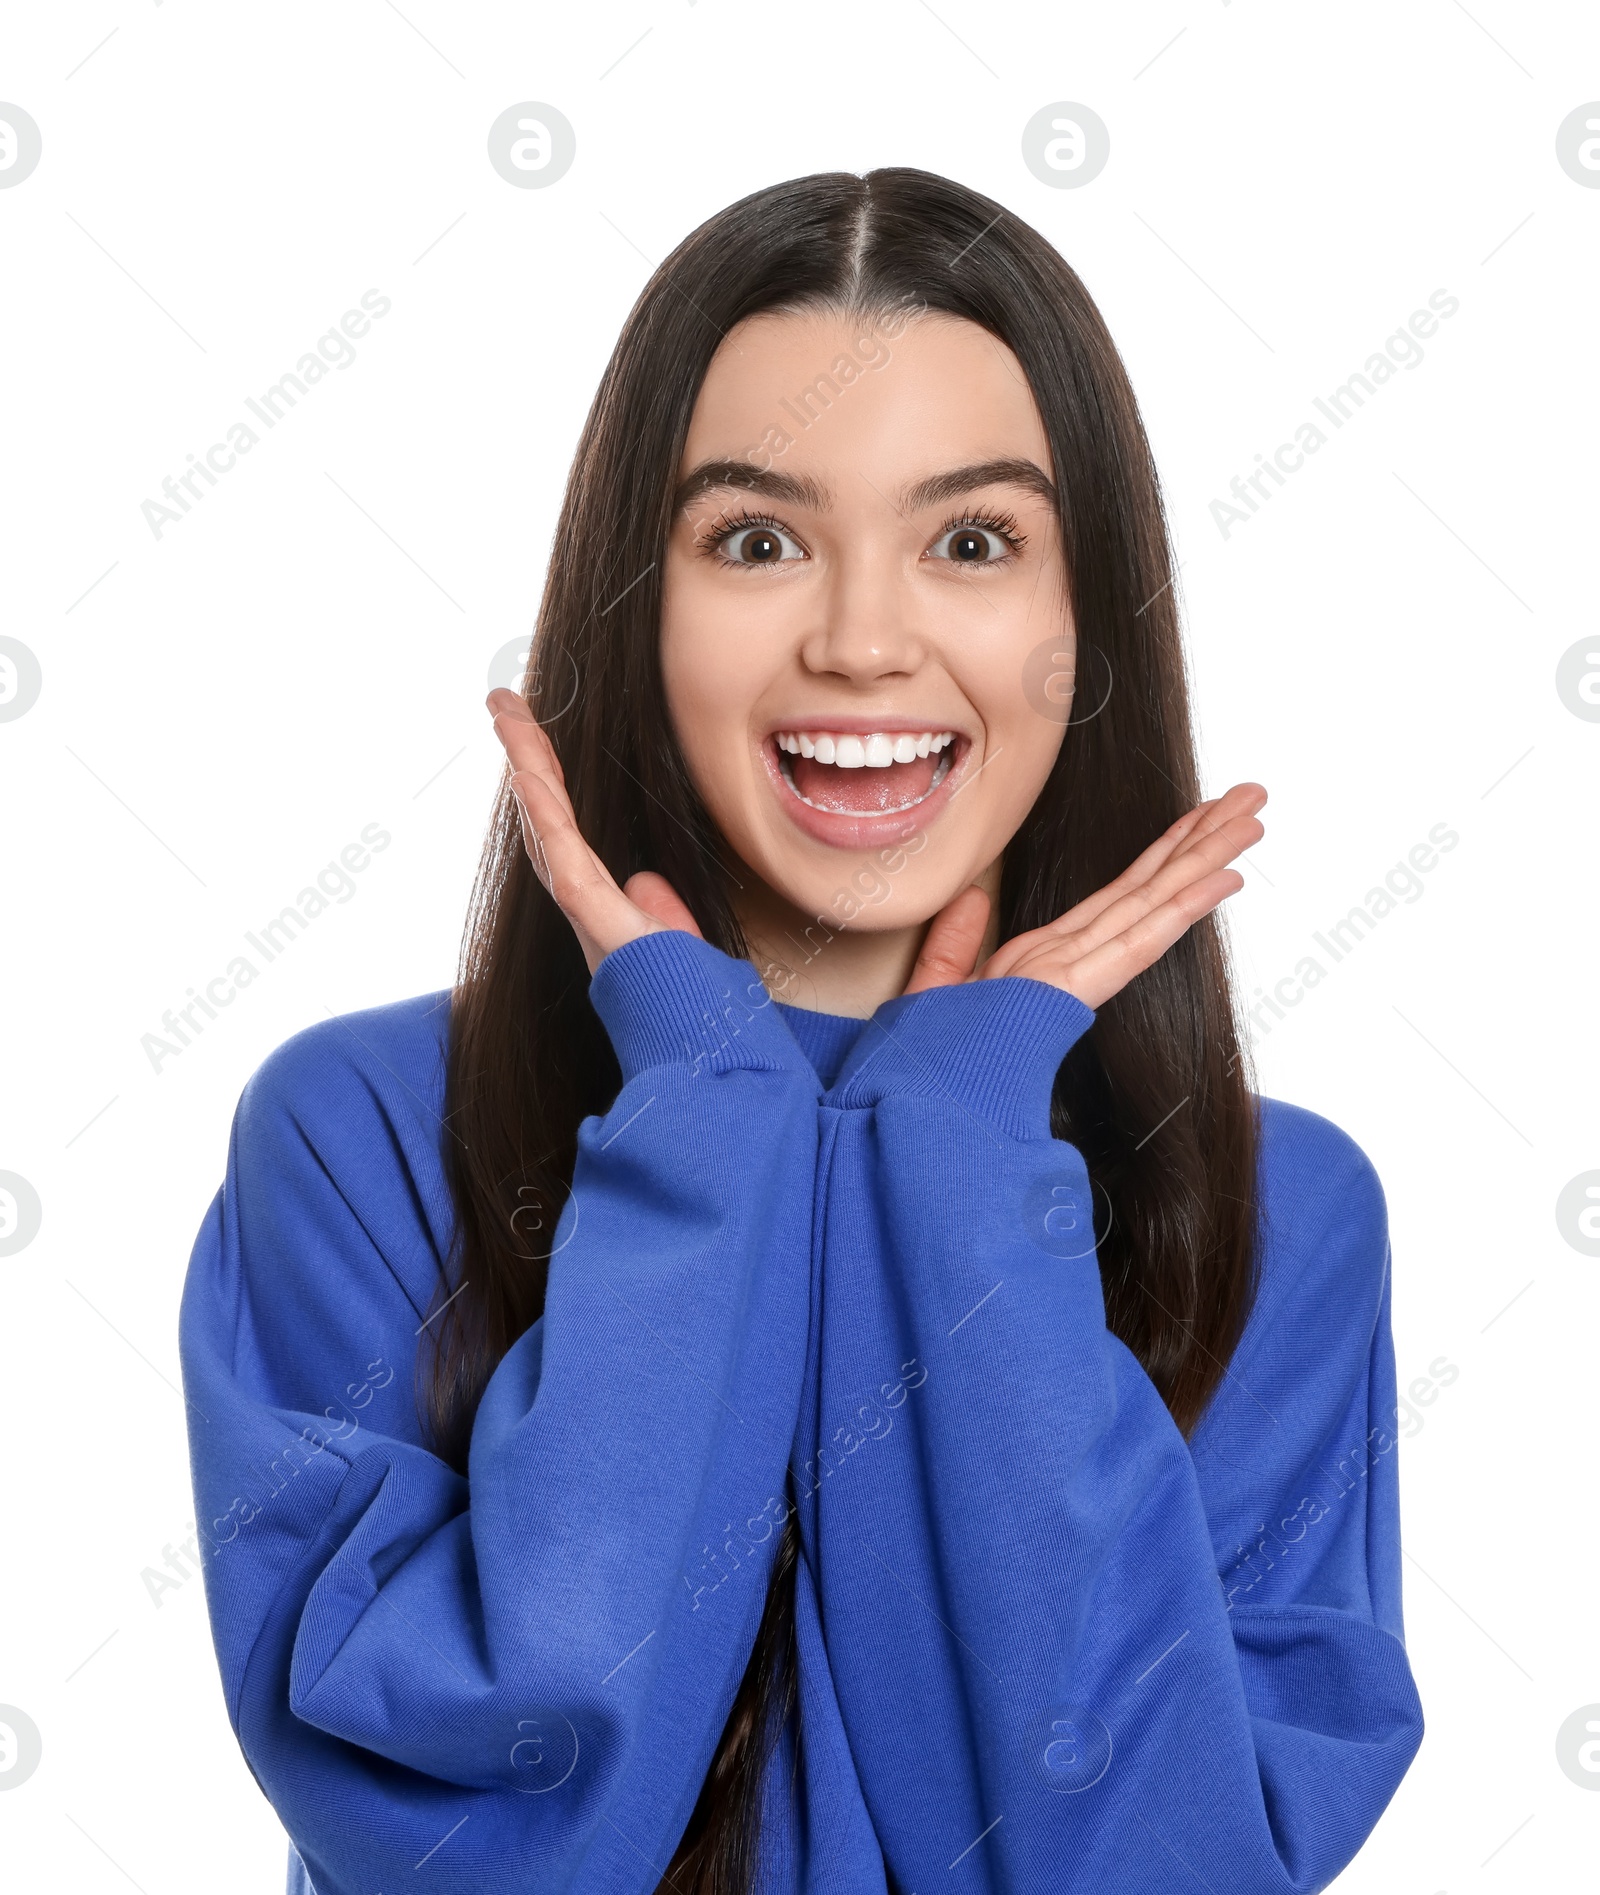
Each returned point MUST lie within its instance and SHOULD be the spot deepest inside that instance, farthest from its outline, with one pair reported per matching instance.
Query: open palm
(1097, 947)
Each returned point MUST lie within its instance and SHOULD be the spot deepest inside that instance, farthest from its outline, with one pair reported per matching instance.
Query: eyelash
(712, 539)
(1003, 525)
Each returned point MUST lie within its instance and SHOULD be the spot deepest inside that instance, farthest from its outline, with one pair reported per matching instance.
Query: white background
(224, 708)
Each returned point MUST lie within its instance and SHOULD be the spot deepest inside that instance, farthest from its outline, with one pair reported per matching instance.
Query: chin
(872, 894)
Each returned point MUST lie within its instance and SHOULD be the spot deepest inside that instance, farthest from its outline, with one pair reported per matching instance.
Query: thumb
(954, 941)
(656, 896)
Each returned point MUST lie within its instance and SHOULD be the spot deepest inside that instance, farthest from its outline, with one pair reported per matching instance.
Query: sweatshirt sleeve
(506, 1679)
(1068, 1651)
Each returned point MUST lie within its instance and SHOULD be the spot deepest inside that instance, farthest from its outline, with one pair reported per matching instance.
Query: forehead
(831, 391)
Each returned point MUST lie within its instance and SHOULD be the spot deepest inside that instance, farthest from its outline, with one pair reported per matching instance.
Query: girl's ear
(954, 942)
(660, 901)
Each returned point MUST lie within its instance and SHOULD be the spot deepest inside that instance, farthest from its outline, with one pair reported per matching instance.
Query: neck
(830, 966)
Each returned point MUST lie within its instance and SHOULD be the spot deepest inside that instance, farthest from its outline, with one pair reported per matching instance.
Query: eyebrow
(797, 489)
(800, 490)
(964, 480)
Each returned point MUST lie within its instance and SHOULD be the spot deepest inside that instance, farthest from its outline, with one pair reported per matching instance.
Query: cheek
(713, 673)
(1023, 694)
(695, 649)
(1024, 748)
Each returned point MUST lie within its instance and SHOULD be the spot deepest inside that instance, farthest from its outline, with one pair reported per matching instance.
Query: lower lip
(860, 832)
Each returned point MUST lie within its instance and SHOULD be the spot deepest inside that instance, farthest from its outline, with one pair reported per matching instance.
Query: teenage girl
(809, 1369)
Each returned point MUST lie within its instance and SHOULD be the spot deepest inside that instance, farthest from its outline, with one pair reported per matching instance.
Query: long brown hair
(1155, 1095)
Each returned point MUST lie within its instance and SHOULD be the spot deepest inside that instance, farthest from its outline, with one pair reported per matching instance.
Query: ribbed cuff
(991, 1046)
(671, 999)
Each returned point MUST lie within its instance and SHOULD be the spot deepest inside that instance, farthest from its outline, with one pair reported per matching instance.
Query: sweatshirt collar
(824, 1038)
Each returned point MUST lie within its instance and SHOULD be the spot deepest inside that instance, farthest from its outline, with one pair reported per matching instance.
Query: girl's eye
(760, 545)
(971, 545)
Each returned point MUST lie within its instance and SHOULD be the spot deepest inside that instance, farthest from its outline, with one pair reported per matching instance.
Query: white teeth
(876, 750)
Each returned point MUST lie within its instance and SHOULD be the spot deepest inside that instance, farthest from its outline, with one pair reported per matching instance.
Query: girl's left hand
(1096, 948)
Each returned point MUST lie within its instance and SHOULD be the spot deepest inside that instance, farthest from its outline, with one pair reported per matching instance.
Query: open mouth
(867, 773)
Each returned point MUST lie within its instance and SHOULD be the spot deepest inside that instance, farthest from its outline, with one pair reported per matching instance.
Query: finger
(1244, 799)
(1166, 845)
(530, 756)
(526, 744)
(1189, 830)
(1136, 874)
(1107, 969)
(524, 741)
(953, 942)
(661, 901)
(1137, 888)
(577, 880)
(1204, 856)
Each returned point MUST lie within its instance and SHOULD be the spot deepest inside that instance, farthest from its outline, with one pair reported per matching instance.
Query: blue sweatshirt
(1045, 1644)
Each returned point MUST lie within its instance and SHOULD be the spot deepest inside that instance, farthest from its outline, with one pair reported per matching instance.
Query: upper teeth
(851, 752)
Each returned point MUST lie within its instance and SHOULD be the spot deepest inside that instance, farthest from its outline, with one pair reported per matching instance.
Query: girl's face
(864, 602)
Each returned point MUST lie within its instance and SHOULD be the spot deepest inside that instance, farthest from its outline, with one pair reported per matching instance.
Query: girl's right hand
(603, 916)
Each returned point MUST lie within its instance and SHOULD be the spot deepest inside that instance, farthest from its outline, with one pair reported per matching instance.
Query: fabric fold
(1044, 1643)
(991, 1047)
